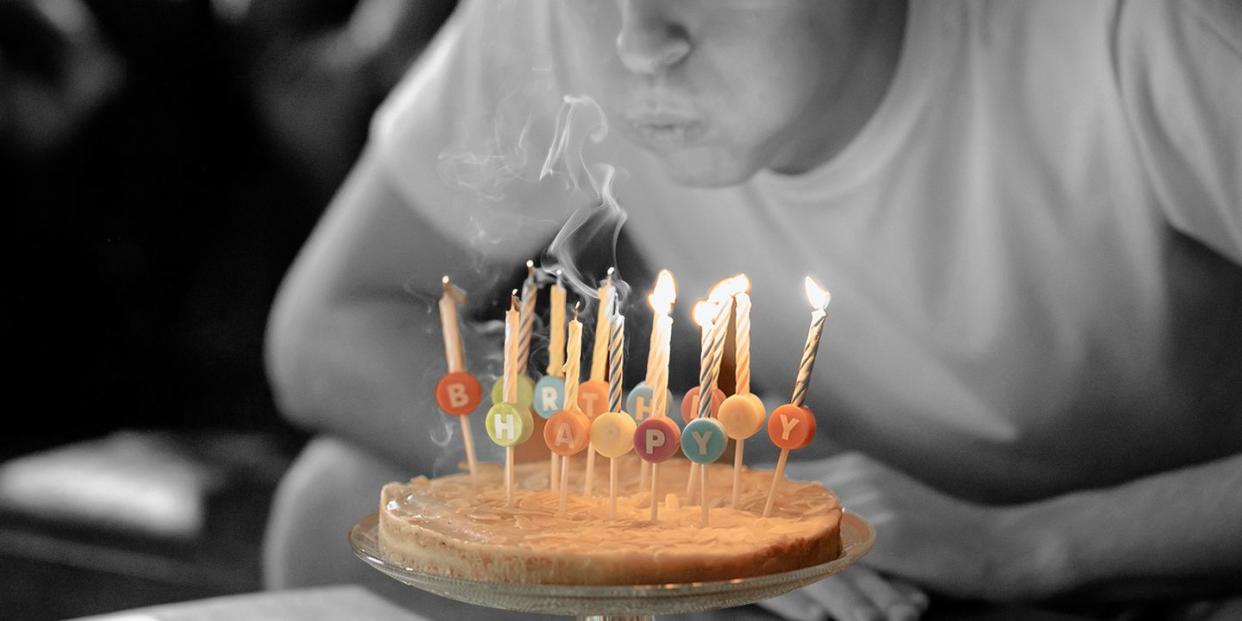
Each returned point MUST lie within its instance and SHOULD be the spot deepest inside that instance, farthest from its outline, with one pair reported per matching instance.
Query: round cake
(454, 526)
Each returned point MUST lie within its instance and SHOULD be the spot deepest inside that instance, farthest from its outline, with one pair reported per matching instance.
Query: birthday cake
(454, 526)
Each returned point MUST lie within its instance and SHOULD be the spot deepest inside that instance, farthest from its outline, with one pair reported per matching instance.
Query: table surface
(336, 602)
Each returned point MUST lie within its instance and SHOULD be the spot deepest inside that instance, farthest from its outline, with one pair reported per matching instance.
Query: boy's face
(719, 89)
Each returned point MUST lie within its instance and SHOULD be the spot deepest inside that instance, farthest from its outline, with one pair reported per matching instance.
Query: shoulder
(458, 138)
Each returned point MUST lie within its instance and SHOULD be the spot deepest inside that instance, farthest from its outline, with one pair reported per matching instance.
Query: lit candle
(792, 425)
(657, 437)
(742, 414)
(713, 323)
(458, 393)
(642, 402)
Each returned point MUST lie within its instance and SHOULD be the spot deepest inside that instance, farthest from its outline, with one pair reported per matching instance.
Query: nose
(649, 41)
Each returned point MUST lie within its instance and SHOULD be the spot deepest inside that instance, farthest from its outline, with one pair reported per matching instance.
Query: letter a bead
(567, 432)
(612, 434)
(525, 390)
(458, 393)
(549, 395)
(657, 439)
(509, 425)
(791, 427)
(741, 415)
(703, 440)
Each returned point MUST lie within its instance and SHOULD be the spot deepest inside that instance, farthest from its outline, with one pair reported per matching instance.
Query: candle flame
(729, 287)
(705, 312)
(665, 293)
(817, 295)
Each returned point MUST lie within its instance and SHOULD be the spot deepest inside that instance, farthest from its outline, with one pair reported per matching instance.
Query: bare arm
(1174, 533)
(1152, 536)
(350, 349)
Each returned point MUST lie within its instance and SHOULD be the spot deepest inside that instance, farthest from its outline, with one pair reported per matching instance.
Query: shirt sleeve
(461, 138)
(1179, 69)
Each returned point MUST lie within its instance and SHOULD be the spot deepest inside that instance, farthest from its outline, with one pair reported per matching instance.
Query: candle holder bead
(459, 393)
(640, 402)
(508, 424)
(567, 432)
(657, 439)
(742, 415)
(703, 440)
(549, 395)
(690, 403)
(612, 434)
(791, 427)
(525, 391)
(593, 398)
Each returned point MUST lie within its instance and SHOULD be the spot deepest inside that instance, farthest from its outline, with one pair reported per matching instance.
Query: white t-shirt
(1033, 245)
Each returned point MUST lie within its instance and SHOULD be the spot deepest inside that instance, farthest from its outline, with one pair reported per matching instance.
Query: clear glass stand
(615, 602)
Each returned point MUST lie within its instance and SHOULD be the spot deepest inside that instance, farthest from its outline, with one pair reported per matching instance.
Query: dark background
(164, 160)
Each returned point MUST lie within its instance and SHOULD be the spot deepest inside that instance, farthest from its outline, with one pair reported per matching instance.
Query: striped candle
(527, 321)
(616, 362)
(819, 298)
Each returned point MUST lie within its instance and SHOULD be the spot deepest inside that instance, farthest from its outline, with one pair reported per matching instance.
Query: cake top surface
(475, 511)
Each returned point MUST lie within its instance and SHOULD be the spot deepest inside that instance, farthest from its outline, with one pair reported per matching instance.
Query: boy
(1029, 215)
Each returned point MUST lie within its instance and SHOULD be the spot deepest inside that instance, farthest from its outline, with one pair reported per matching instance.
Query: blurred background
(164, 160)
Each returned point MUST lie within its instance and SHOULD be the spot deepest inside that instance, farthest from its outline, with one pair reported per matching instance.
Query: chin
(706, 170)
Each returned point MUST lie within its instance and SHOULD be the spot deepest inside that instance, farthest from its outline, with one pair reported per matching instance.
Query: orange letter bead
(791, 427)
(458, 393)
(741, 415)
(567, 432)
(690, 404)
(593, 398)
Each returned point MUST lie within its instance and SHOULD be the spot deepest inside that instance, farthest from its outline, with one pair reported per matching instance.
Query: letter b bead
(458, 393)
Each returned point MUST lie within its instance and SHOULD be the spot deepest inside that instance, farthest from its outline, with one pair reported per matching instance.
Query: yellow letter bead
(612, 434)
(741, 415)
(509, 425)
(526, 391)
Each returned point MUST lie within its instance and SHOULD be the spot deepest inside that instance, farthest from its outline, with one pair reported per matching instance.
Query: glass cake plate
(627, 601)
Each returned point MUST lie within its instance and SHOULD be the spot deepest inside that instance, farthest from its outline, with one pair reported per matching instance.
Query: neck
(849, 101)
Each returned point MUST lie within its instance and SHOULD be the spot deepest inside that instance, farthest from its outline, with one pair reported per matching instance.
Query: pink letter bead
(657, 439)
